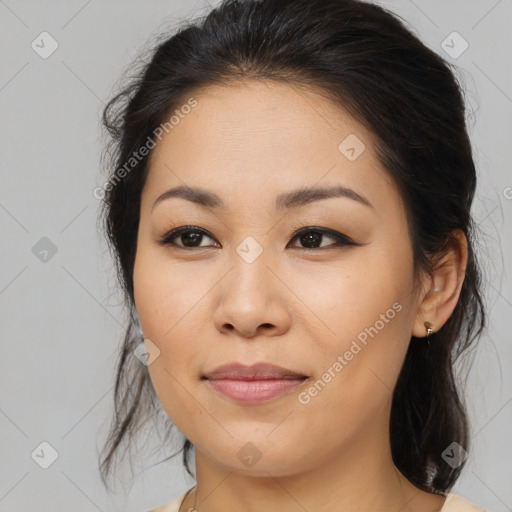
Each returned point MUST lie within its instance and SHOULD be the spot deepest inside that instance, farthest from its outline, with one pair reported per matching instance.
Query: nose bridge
(250, 250)
(250, 295)
(250, 260)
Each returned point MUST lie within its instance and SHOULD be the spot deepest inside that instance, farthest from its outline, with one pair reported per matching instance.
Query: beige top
(453, 503)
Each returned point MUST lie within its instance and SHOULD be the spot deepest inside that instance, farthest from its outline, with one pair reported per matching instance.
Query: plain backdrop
(61, 320)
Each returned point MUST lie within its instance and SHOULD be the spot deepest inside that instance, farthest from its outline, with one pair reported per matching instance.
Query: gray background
(61, 319)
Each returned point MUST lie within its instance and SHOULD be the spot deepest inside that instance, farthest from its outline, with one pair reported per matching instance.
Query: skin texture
(293, 307)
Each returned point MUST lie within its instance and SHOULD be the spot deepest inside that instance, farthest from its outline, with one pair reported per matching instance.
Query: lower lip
(254, 391)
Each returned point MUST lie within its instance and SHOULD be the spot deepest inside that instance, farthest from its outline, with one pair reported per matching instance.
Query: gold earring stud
(430, 331)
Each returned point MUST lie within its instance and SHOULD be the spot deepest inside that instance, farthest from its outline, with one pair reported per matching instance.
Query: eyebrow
(288, 200)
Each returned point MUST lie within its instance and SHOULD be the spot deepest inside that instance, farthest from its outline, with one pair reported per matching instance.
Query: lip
(253, 384)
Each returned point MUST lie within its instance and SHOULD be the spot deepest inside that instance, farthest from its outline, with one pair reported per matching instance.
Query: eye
(311, 237)
(192, 236)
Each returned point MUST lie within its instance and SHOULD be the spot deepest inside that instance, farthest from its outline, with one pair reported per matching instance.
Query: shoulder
(455, 503)
(172, 506)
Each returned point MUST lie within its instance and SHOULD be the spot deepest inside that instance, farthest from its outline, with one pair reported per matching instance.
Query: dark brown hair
(365, 59)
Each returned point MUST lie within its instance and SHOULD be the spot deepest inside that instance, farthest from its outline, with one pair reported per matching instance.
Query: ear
(442, 289)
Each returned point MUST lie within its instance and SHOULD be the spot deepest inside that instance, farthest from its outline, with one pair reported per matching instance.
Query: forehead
(253, 116)
(255, 139)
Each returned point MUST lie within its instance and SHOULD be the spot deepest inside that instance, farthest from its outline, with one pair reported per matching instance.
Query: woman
(289, 208)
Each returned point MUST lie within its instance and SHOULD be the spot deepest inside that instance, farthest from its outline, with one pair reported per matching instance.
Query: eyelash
(341, 240)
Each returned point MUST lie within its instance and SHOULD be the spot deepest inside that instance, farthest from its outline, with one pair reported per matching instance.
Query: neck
(361, 476)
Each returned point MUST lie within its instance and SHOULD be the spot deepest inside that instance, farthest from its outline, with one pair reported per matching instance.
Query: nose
(252, 301)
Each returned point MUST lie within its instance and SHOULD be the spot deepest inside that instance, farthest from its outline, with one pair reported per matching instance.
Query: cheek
(357, 373)
(350, 298)
(163, 293)
(368, 317)
(167, 300)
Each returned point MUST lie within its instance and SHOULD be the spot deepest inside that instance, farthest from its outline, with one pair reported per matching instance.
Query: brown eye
(312, 238)
(189, 236)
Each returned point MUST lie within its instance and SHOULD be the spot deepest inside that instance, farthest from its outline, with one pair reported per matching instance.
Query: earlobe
(446, 282)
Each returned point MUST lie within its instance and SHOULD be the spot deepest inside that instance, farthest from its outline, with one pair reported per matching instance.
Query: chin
(260, 458)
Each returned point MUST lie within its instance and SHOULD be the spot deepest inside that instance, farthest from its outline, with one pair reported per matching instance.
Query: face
(318, 286)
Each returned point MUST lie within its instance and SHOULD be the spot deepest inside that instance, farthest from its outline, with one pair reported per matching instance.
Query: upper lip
(259, 371)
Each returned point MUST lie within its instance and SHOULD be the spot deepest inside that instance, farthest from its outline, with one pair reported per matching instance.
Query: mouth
(253, 384)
